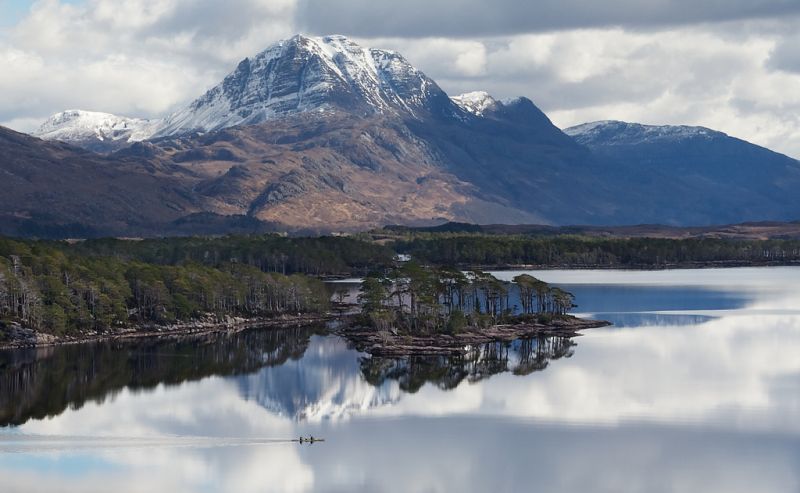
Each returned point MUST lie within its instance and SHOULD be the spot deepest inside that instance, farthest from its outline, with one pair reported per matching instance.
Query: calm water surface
(695, 388)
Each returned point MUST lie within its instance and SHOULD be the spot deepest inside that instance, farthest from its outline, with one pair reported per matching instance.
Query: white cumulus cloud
(735, 69)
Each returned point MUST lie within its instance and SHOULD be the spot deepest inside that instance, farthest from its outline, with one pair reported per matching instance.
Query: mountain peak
(295, 75)
(615, 132)
(303, 74)
(475, 102)
(519, 109)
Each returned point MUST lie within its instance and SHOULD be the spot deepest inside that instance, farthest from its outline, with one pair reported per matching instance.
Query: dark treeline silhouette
(318, 256)
(521, 357)
(36, 383)
(573, 251)
(418, 299)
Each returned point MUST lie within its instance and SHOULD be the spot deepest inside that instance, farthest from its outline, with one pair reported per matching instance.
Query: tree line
(414, 298)
(317, 256)
(580, 251)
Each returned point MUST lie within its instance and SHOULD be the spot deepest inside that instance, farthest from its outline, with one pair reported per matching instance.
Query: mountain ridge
(93, 130)
(320, 134)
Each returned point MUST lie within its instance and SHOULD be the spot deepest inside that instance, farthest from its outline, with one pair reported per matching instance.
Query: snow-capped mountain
(94, 129)
(321, 75)
(613, 132)
(297, 75)
(304, 74)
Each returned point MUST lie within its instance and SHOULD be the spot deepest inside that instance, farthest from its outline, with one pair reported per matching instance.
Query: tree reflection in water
(37, 383)
(44, 382)
(521, 357)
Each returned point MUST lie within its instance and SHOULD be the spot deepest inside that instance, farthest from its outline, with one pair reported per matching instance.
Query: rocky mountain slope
(337, 172)
(53, 189)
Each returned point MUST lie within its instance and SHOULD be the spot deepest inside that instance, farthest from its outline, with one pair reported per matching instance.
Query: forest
(63, 289)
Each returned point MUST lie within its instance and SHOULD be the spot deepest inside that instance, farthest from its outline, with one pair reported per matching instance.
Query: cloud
(732, 66)
(456, 58)
(133, 57)
(470, 18)
(786, 55)
(120, 83)
(718, 78)
(167, 439)
(156, 27)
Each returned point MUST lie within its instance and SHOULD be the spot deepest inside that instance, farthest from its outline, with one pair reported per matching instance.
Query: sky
(731, 65)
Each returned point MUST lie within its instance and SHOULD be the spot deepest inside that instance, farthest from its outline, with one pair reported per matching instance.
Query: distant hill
(743, 231)
(51, 189)
(694, 175)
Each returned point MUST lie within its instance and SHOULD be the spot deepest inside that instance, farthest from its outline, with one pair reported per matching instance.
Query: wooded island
(413, 298)
(413, 309)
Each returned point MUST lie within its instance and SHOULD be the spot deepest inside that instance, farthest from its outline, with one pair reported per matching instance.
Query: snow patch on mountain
(80, 125)
(613, 132)
(476, 102)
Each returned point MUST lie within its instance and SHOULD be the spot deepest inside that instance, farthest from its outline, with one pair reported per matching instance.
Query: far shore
(723, 264)
(639, 267)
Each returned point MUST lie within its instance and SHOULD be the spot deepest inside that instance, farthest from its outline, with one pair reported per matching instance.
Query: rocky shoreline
(21, 337)
(364, 339)
(388, 344)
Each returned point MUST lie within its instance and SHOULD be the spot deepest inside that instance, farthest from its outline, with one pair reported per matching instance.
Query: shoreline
(30, 339)
(722, 264)
(634, 268)
(387, 344)
(363, 339)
